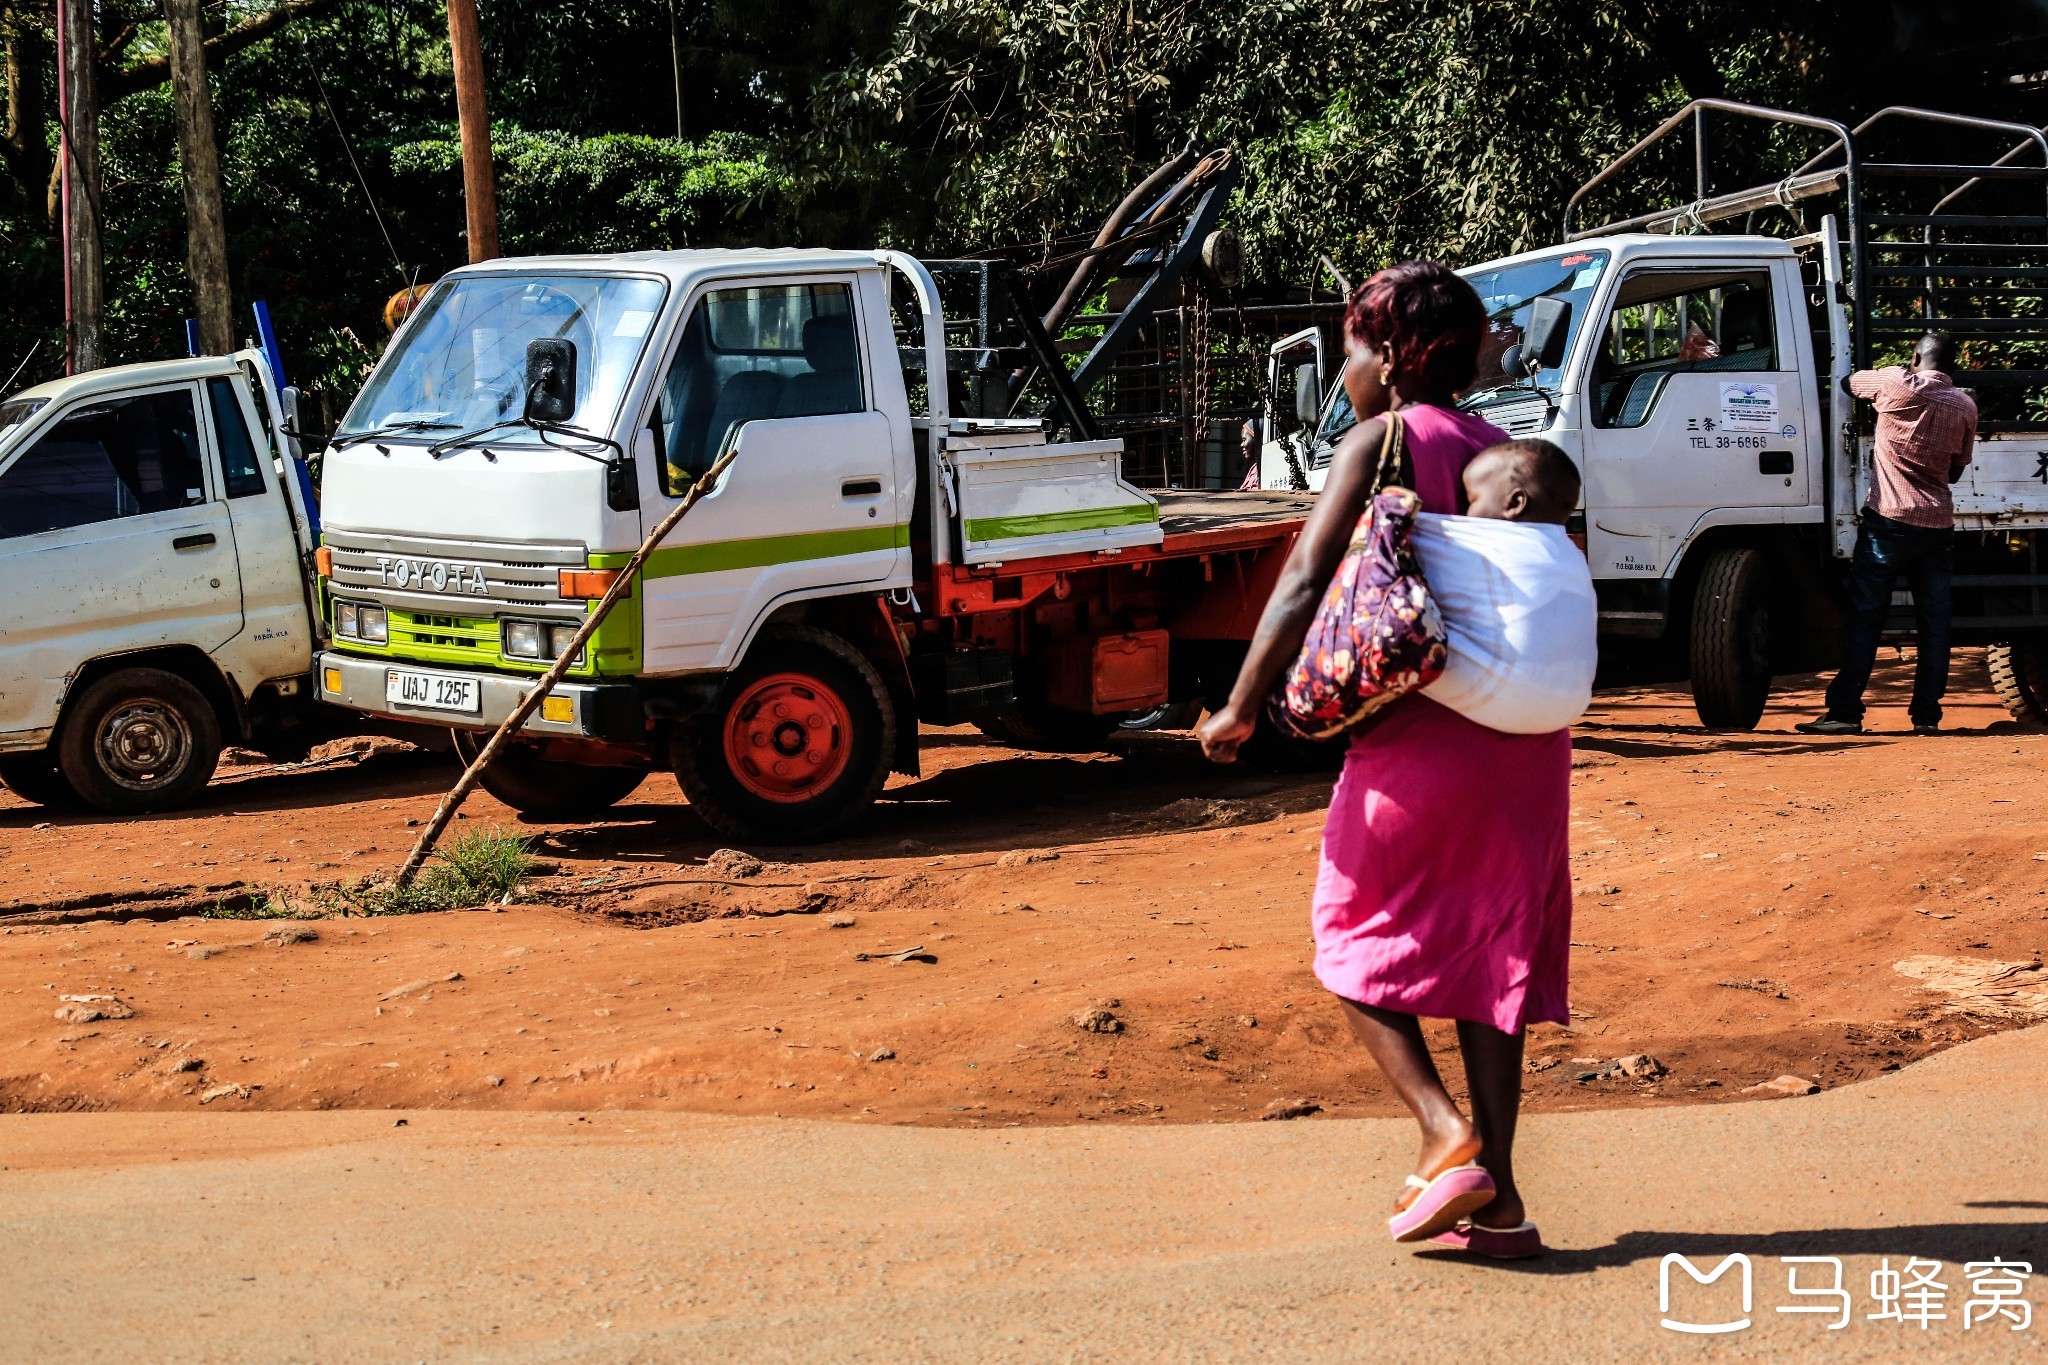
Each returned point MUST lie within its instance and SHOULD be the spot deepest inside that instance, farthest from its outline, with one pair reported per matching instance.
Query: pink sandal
(1442, 1202)
(1498, 1244)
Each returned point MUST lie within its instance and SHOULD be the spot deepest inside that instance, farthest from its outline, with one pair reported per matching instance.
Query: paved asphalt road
(634, 1236)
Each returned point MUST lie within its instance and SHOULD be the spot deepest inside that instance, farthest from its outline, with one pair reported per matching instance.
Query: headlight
(559, 639)
(345, 622)
(520, 639)
(373, 623)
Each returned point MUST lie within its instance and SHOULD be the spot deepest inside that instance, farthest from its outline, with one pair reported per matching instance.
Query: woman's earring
(1386, 375)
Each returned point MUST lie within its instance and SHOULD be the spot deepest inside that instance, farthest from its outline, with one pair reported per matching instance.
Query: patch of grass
(254, 905)
(478, 867)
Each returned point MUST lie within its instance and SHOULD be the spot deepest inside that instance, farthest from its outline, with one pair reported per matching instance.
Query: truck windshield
(461, 363)
(19, 410)
(1508, 290)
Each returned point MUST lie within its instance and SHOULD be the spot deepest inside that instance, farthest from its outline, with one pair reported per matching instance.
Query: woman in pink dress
(1445, 885)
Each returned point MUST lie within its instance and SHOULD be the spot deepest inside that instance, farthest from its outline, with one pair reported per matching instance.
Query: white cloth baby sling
(1517, 604)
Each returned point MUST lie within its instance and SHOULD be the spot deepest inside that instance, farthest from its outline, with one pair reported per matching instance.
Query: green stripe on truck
(675, 560)
(1061, 523)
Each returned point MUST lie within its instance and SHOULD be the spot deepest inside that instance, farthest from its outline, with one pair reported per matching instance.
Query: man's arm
(1867, 383)
(1961, 459)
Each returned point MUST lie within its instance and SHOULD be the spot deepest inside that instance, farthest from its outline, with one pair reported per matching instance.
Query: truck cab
(841, 578)
(156, 547)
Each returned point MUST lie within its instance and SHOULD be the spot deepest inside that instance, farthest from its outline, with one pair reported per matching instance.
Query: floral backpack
(1377, 635)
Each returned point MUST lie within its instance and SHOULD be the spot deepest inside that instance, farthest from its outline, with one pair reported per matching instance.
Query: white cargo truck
(1695, 375)
(156, 546)
(868, 560)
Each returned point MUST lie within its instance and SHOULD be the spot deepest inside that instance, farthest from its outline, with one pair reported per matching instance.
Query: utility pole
(675, 57)
(206, 244)
(79, 120)
(479, 185)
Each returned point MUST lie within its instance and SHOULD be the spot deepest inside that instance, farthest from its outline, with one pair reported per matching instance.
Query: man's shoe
(1933, 729)
(1828, 725)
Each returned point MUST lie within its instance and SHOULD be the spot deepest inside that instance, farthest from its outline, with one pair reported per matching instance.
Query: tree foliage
(1369, 129)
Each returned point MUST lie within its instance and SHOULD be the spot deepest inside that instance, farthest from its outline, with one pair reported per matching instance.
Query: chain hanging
(1198, 347)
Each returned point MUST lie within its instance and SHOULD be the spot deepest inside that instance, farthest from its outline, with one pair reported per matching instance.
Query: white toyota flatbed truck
(156, 544)
(1696, 376)
(867, 561)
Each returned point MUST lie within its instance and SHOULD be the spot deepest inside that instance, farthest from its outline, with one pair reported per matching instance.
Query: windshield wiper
(448, 443)
(374, 432)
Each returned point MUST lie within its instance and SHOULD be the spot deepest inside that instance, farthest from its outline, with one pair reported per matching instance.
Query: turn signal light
(560, 710)
(323, 561)
(588, 583)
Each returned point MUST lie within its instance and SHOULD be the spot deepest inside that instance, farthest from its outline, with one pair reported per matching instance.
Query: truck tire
(795, 747)
(1731, 641)
(547, 788)
(36, 778)
(2019, 674)
(1049, 730)
(138, 741)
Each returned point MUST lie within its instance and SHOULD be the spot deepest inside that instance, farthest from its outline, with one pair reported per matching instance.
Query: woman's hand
(1223, 732)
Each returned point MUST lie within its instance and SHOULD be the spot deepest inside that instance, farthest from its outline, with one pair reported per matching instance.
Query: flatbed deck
(1183, 512)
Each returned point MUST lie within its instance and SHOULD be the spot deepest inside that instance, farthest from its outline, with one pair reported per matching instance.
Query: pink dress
(1445, 885)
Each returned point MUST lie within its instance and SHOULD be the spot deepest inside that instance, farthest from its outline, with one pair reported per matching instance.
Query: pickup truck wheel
(797, 744)
(2019, 674)
(1731, 641)
(137, 741)
(546, 788)
(35, 777)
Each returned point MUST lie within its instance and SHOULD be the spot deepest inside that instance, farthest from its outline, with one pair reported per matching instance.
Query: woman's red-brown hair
(1431, 319)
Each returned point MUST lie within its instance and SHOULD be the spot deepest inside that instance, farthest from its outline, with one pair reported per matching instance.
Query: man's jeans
(1885, 549)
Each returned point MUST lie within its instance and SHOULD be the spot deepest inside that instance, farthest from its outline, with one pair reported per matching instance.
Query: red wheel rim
(788, 737)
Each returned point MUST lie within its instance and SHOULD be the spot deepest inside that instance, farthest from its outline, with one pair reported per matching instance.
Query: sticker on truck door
(1749, 407)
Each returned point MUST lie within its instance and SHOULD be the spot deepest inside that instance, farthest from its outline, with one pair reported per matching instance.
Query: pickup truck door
(801, 374)
(114, 537)
(1696, 402)
(277, 640)
(1294, 384)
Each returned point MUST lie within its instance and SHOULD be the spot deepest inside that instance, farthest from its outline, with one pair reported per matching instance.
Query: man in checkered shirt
(1926, 429)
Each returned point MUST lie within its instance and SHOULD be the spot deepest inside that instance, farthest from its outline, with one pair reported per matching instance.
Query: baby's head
(1522, 480)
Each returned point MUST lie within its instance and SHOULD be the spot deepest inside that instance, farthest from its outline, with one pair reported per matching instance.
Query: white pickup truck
(1696, 377)
(156, 549)
(867, 561)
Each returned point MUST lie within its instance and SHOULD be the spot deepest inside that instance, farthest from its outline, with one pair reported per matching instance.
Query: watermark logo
(1915, 1294)
(1664, 1291)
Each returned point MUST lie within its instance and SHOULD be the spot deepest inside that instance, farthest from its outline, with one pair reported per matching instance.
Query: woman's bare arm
(1310, 567)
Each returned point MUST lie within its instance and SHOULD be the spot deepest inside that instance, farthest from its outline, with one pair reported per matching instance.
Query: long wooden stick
(528, 703)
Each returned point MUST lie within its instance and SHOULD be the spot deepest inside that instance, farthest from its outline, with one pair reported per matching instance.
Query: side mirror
(550, 379)
(1308, 393)
(294, 430)
(1545, 334)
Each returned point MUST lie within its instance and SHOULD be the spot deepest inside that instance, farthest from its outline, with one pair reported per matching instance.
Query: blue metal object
(267, 334)
(192, 337)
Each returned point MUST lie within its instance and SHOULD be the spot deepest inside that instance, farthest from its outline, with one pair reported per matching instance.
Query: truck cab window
(750, 354)
(241, 474)
(1669, 322)
(117, 457)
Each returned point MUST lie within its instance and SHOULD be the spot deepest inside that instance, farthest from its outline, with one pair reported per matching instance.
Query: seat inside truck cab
(753, 353)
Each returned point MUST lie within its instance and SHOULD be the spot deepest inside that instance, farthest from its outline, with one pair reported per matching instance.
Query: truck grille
(451, 578)
(1521, 417)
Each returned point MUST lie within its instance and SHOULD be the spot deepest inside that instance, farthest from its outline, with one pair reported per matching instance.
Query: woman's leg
(1395, 1041)
(1493, 1074)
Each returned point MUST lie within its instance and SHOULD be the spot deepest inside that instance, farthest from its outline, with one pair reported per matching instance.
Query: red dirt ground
(1742, 901)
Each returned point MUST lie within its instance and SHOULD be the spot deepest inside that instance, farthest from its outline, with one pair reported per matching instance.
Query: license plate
(432, 691)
